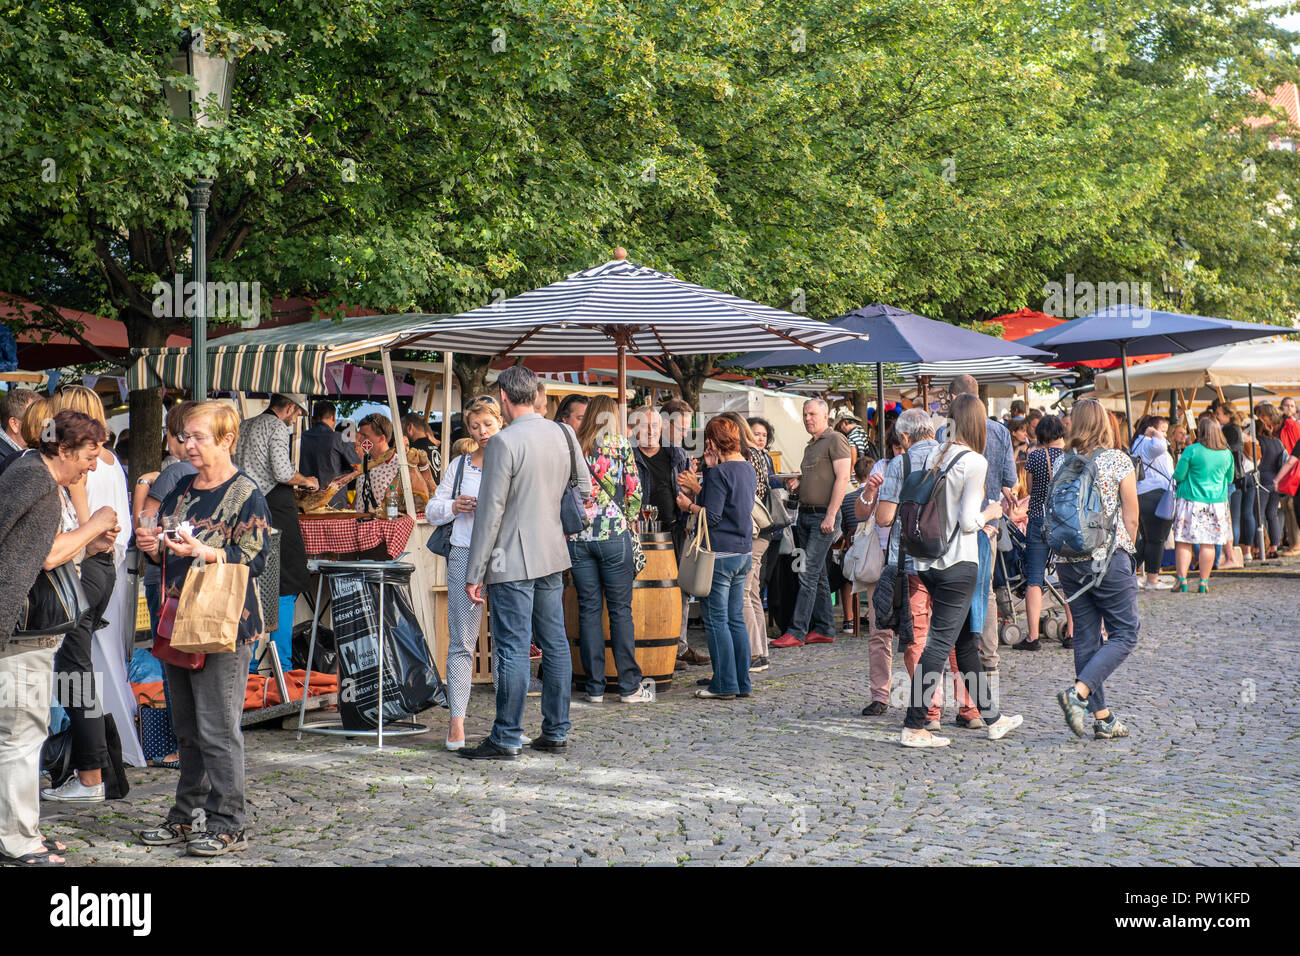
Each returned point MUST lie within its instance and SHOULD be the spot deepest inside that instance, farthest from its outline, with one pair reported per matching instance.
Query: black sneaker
(1068, 641)
(874, 709)
(1027, 645)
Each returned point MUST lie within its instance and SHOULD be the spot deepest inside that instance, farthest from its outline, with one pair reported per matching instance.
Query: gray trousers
(206, 706)
(26, 679)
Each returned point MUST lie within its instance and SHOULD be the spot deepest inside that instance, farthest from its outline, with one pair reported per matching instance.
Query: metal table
(372, 571)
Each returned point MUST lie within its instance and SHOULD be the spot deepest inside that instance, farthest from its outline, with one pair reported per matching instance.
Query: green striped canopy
(287, 358)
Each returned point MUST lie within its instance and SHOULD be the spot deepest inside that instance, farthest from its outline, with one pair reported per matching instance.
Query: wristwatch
(144, 481)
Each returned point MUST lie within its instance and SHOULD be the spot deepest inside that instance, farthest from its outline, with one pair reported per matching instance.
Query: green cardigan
(1204, 475)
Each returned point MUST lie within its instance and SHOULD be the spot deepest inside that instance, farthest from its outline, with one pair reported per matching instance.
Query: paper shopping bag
(211, 605)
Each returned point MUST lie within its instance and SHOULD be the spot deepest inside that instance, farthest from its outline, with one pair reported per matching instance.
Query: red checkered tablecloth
(346, 535)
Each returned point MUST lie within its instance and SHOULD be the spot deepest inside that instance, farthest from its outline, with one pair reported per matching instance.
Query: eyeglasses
(197, 437)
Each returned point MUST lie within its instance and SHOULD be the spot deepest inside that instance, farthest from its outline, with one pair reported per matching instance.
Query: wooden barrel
(656, 616)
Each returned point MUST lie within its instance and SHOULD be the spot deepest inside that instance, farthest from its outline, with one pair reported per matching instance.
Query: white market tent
(1272, 363)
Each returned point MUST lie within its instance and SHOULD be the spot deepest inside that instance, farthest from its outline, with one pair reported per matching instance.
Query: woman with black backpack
(957, 470)
(1112, 599)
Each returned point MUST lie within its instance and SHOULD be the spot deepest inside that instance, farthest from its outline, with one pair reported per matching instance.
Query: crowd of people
(530, 501)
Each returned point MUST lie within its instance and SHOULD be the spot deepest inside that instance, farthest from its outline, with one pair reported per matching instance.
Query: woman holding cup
(218, 515)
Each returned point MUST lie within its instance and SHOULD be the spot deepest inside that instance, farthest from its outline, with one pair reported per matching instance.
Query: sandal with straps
(43, 857)
(1180, 586)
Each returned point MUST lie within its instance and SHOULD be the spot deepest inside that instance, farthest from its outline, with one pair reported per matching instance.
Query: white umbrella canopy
(1246, 363)
(617, 308)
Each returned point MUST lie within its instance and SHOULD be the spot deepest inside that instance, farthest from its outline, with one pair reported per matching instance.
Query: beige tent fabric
(1272, 362)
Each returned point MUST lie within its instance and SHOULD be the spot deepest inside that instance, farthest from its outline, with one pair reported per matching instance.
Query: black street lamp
(213, 77)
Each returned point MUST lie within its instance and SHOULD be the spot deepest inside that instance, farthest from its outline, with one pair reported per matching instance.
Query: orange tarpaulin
(1022, 322)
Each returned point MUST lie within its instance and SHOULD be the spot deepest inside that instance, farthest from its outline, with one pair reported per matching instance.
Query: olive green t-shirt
(817, 473)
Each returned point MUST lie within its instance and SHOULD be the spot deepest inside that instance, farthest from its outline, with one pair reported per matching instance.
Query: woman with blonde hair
(220, 515)
(91, 660)
(1202, 518)
(455, 500)
(603, 568)
(1111, 599)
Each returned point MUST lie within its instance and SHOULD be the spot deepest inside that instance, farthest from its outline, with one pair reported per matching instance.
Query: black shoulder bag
(440, 541)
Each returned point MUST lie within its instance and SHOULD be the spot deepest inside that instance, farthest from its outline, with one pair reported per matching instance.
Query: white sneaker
(598, 699)
(645, 694)
(1142, 584)
(1004, 725)
(919, 738)
(1161, 585)
(525, 740)
(74, 791)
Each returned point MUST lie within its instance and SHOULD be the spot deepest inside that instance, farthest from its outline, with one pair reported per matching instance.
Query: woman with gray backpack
(939, 511)
(1092, 519)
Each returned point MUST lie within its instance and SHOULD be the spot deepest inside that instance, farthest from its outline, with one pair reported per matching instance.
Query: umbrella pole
(1128, 405)
(882, 447)
(622, 388)
(1254, 485)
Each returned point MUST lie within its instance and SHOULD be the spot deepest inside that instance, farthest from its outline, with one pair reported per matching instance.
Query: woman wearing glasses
(228, 520)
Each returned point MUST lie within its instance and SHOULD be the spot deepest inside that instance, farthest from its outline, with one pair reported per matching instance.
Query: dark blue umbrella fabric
(1124, 330)
(896, 335)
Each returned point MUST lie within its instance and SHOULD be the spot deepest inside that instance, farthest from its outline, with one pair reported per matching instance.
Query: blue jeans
(1036, 552)
(511, 605)
(724, 625)
(812, 608)
(602, 576)
(1113, 602)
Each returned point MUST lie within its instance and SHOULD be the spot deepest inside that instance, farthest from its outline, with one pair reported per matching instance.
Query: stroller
(1010, 583)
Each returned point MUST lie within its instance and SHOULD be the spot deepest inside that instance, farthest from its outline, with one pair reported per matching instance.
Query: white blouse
(438, 510)
(106, 486)
(962, 505)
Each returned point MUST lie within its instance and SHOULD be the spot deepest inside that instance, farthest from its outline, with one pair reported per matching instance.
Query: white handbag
(865, 558)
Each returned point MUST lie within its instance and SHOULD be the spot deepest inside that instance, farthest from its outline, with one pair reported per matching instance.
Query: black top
(659, 481)
(1272, 456)
(427, 446)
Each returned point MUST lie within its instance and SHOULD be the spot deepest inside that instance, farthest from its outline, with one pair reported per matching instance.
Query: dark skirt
(293, 553)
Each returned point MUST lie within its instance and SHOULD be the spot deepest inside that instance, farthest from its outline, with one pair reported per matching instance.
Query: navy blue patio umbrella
(895, 335)
(1121, 331)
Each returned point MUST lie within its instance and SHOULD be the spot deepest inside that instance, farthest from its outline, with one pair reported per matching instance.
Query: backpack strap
(460, 473)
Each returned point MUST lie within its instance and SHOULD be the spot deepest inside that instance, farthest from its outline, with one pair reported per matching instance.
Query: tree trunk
(860, 400)
(146, 411)
(471, 374)
(690, 372)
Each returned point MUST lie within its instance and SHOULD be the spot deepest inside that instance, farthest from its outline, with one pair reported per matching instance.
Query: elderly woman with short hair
(228, 520)
(67, 447)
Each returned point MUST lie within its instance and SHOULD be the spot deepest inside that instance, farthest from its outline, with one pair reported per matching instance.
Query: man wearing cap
(850, 426)
(263, 454)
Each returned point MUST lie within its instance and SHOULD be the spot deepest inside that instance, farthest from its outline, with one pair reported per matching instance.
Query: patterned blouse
(616, 488)
(1112, 468)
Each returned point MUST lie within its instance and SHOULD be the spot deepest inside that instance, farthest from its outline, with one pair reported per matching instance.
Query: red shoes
(787, 640)
(812, 637)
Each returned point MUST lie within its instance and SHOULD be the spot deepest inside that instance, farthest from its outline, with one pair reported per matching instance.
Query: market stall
(297, 359)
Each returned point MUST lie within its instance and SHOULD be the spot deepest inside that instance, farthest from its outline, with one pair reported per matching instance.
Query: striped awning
(286, 358)
(992, 371)
(595, 311)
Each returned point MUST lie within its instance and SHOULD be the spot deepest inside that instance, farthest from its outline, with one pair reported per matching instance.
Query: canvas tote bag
(695, 573)
(210, 606)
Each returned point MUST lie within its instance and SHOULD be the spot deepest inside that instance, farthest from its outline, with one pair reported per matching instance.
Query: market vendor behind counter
(263, 455)
(380, 471)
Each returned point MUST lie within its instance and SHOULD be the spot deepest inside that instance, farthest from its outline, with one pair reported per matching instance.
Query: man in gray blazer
(519, 551)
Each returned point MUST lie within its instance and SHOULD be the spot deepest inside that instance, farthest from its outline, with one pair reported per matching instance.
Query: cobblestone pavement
(794, 774)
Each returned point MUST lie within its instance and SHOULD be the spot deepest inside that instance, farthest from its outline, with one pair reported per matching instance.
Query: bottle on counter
(391, 510)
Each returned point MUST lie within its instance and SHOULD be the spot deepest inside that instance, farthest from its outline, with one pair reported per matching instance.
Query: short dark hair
(323, 411)
(675, 406)
(416, 421)
(1050, 428)
(758, 420)
(176, 417)
(378, 423)
(519, 383)
(71, 431)
(15, 404)
(862, 468)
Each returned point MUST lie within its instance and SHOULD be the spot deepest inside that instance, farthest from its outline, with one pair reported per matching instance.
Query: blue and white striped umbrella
(621, 306)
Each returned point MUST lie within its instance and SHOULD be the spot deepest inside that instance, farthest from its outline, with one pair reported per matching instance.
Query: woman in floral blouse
(602, 556)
